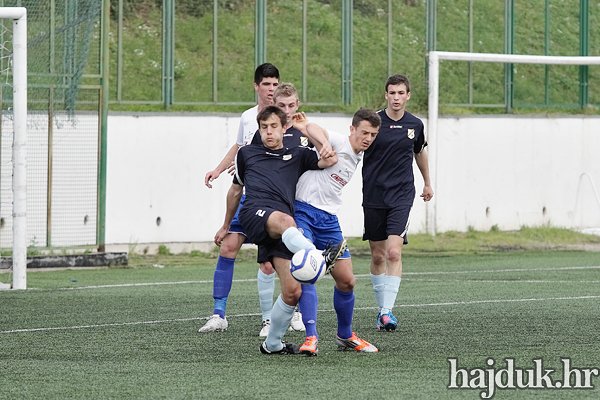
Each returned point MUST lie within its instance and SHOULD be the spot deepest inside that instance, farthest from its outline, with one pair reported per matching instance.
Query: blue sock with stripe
(343, 303)
(223, 279)
(308, 303)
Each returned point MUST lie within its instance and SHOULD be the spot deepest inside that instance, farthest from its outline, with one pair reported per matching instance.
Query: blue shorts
(318, 226)
(236, 225)
(383, 222)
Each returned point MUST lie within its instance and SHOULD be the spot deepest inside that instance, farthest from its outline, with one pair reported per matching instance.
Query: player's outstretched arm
(317, 135)
(328, 161)
(223, 165)
(233, 201)
(423, 164)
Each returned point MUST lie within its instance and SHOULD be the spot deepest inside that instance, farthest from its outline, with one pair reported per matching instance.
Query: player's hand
(211, 176)
(231, 168)
(427, 193)
(299, 121)
(220, 235)
(327, 151)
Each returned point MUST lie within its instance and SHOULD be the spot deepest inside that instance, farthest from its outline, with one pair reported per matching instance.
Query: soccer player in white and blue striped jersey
(318, 199)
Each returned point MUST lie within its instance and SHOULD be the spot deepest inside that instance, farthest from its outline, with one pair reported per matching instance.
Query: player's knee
(346, 284)
(378, 258)
(393, 255)
(267, 268)
(291, 295)
(229, 248)
(287, 220)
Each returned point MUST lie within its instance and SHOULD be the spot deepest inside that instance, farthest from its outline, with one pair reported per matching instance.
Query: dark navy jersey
(387, 172)
(270, 176)
(291, 138)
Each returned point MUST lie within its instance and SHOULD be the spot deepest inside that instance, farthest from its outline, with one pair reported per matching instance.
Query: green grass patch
(132, 332)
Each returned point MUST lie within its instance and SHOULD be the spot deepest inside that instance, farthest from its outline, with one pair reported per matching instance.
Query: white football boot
(214, 324)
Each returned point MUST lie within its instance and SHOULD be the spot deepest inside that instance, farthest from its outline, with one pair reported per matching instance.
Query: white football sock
(378, 282)
(266, 288)
(392, 284)
(280, 320)
(295, 241)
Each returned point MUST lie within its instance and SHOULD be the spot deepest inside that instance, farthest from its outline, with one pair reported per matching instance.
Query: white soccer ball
(308, 267)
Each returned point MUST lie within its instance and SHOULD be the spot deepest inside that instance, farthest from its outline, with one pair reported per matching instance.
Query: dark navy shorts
(254, 218)
(383, 222)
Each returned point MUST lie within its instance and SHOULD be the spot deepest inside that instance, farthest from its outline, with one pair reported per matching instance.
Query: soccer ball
(308, 266)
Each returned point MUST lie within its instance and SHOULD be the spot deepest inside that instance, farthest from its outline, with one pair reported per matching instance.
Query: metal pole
(260, 38)
(102, 140)
(347, 6)
(432, 134)
(215, 82)
(19, 256)
(120, 53)
(390, 35)
(584, 32)
(508, 49)
(304, 50)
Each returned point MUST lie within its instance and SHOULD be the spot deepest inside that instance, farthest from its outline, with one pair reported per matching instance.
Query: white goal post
(19, 152)
(433, 109)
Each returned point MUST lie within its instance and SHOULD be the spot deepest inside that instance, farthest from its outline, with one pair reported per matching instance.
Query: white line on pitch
(249, 315)
(357, 276)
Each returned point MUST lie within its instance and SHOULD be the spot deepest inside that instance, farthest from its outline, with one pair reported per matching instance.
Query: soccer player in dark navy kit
(266, 80)
(389, 193)
(270, 173)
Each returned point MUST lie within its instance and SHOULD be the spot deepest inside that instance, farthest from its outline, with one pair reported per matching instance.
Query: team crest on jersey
(411, 133)
(303, 141)
(287, 157)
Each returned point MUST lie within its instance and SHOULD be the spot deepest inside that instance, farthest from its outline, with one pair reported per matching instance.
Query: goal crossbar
(433, 108)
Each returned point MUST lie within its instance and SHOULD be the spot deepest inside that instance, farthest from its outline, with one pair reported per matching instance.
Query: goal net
(50, 107)
(433, 108)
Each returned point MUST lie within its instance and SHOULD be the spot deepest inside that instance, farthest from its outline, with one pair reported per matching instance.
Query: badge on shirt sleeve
(303, 141)
(411, 133)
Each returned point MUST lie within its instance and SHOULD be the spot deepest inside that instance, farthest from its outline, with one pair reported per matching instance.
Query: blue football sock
(295, 241)
(222, 284)
(309, 301)
(378, 282)
(392, 283)
(343, 303)
(266, 288)
(280, 320)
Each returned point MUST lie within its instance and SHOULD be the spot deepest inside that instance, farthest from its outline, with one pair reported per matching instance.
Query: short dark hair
(397, 80)
(266, 113)
(266, 70)
(366, 114)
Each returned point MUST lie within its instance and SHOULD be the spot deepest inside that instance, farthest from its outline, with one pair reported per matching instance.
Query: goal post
(19, 150)
(433, 108)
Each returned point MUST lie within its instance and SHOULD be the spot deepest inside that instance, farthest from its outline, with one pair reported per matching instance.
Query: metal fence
(157, 59)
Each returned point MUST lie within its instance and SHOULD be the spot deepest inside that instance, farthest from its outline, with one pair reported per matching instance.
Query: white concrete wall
(503, 170)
